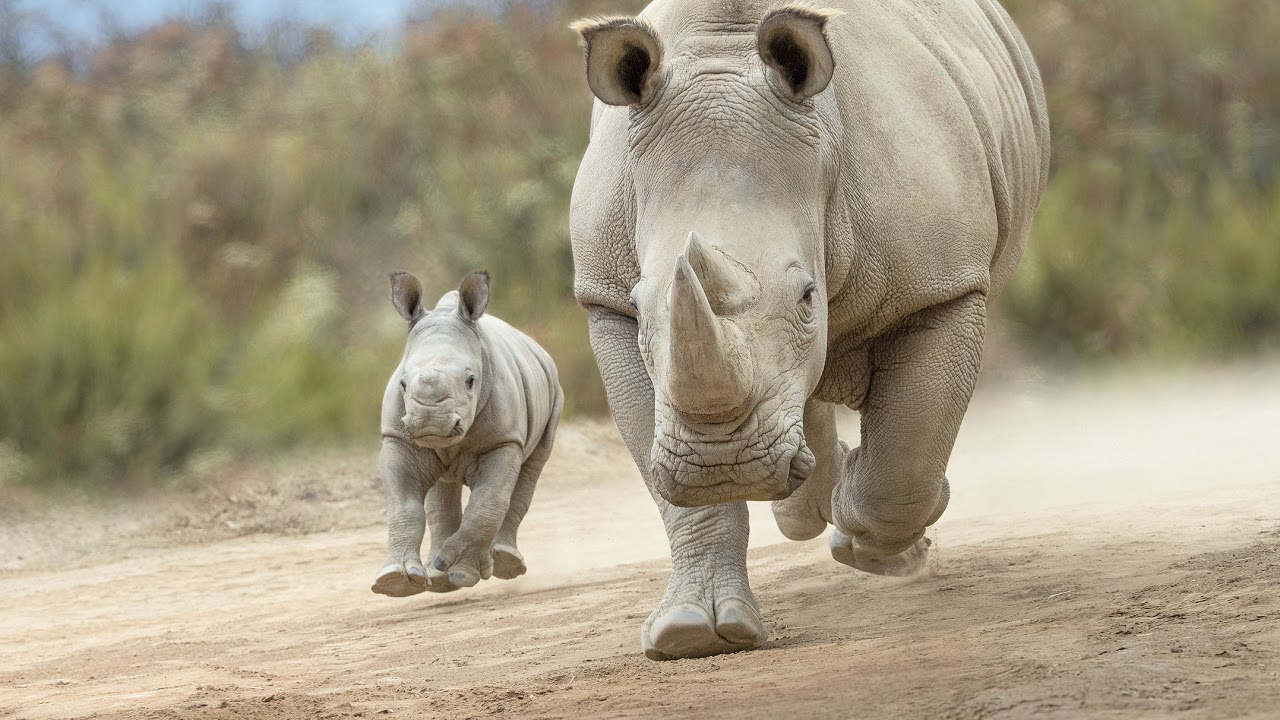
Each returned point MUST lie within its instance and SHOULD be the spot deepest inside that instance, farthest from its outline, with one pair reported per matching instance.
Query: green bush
(1159, 235)
(1199, 279)
(108, 376)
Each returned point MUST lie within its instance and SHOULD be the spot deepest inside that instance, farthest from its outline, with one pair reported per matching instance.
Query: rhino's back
(945, 139)
(527, 389)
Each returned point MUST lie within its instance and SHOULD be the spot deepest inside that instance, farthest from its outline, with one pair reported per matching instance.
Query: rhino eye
(806, 310)
(403, 387)
(471, 381)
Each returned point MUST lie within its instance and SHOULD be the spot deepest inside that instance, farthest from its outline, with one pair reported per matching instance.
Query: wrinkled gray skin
(784, 208)
(474, 402)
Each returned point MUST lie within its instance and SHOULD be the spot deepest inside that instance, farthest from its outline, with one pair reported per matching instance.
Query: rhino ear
(406, 296)
(473, 295)
(792, 41)
(623, 55)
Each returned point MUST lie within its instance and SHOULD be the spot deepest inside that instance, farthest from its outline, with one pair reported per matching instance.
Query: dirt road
(1112, 551)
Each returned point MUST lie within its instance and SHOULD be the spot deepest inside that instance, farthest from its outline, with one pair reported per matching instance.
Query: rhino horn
(727, 284)
(709, 374)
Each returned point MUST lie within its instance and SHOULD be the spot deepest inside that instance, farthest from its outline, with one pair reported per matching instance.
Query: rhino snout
(434, 432)
(705, 473)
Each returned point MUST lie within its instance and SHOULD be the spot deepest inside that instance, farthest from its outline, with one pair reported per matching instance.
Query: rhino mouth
(690, 469)
(435, 442)
(435, 435)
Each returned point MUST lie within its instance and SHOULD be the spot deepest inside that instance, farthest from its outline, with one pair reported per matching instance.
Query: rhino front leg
(709, 607)
(464, 558)
(406, 475)
(894, 486)
(807, 512)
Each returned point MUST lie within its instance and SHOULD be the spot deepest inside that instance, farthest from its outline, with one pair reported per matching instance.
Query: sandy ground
(1112, 550)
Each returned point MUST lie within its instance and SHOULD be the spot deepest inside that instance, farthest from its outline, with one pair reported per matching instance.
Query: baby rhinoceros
(474, 402)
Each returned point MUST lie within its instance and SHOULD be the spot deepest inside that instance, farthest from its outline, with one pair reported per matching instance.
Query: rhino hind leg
(444, 516)
(807, 512)
(508, 561)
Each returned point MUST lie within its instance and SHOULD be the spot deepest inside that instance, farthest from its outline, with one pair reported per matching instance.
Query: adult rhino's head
(732, 157)
(442, 374)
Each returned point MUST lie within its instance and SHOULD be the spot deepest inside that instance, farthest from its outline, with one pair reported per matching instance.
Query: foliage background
(196, 220)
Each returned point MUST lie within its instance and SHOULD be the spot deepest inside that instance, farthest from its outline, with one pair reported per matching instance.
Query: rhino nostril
(457, 428)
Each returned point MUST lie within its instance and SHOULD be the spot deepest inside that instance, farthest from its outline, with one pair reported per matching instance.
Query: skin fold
(783, 208)
(473, 402)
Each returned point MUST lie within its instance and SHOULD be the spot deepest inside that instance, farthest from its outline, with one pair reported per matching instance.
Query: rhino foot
(915, 560)
(447, 578)
(508, 563)
(691, 630)
(459, 564)
(438, 582)
(400, 580)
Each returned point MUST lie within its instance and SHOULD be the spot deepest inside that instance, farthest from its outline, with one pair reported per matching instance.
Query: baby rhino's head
(441, 376)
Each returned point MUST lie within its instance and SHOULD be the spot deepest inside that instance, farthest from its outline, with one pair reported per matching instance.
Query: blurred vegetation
(196, 222)
(1159, 235)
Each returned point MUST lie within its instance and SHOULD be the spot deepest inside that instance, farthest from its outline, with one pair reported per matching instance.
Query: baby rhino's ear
(406, 295)
(473, 295)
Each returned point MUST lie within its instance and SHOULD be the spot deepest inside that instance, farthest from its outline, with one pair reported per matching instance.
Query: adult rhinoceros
(783, 208)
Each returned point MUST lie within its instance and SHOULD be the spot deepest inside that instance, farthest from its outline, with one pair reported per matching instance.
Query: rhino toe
(683, 631)
(738, 624)
(438, 582)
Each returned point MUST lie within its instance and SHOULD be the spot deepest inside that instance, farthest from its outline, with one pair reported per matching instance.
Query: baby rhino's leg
(464, 558)
(403, 476)
(508, 562)
(444, 516)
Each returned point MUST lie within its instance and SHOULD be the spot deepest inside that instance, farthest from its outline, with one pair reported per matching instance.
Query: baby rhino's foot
(914, 560)
(508, 563)
(454, 568)
(400, 579)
